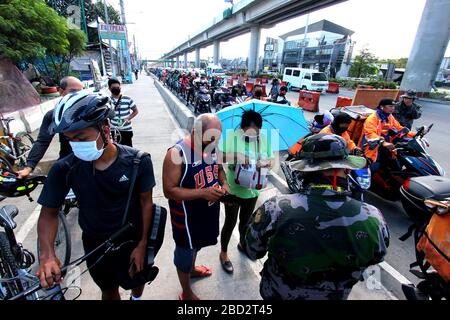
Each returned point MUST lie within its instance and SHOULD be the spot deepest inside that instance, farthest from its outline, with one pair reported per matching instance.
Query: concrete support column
(197, 57)
(216, 54)
(255, 35)
(185, 60)
(429, 47)
(178, 61)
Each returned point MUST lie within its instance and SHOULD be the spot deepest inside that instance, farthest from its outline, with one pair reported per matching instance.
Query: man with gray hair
(40, 146)
(194, 182)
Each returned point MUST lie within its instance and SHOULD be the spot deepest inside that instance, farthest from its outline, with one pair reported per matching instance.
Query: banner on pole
(112, 31)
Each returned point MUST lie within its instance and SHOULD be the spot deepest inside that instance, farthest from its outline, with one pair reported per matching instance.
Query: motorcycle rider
(340, 126)
(239, 89)
(406, 111)
(320, 121)
(275, 90)
(319, 242)
(377, 140)
(281, 97)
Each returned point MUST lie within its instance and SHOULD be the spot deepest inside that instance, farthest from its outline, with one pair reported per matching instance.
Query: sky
(387, 27)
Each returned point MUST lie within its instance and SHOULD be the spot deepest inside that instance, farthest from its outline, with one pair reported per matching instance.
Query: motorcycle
(413, 161)
(423, 197)
(203, 101)
(359, 181)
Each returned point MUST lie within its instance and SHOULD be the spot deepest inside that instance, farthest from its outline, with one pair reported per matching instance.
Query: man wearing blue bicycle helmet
(99, 172)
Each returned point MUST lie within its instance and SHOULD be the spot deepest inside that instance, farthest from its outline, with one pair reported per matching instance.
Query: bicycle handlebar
(108, 242)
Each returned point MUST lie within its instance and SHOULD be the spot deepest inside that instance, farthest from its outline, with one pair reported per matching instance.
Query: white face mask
(87, 150)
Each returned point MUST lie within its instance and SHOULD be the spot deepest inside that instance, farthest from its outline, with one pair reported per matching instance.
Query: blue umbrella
(289, 121)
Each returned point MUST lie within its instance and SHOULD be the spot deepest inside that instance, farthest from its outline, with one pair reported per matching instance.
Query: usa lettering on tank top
(195, 223)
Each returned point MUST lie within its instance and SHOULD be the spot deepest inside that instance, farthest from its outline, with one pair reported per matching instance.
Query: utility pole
(83, 17)
(302, 56)
(127, 58)
(110, 45)
(101, 49)
(135, 52)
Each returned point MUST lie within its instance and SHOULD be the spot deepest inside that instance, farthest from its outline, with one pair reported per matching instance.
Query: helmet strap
(335, 179)
(102, 133)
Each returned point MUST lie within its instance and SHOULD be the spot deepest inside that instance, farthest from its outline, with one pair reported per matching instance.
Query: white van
(306, 79)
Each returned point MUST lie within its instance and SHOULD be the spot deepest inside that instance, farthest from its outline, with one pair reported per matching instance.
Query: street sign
(112, 31)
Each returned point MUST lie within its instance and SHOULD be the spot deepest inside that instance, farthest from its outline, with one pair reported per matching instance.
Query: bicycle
(17, 147)
(15, 261)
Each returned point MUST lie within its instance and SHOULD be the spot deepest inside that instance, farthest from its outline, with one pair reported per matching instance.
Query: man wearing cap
(319, 242)
(406, 111)
(377, 135)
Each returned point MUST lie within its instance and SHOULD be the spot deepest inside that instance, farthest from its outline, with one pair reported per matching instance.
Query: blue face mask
(87, 150)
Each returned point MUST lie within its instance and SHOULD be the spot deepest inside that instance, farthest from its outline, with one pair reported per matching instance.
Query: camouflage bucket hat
(326, 151)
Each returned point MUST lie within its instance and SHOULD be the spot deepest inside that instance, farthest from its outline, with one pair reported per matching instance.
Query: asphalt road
(155, 132)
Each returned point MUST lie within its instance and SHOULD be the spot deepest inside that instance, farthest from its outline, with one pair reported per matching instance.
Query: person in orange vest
(320, 121)
(340, 126)
(377, 136)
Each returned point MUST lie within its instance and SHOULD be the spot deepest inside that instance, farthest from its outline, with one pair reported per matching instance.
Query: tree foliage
(364, 64)
(29, 29)
(92, 10)
(399, 63)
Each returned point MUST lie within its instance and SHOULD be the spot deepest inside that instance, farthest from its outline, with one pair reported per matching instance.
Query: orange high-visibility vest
(374, 129)
(350, 144)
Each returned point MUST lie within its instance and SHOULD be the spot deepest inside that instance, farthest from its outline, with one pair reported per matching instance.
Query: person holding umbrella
(244, 148)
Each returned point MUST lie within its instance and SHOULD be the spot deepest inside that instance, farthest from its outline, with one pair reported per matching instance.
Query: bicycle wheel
(63, 243)
(8, 269)
(5, 164)
(23, 144)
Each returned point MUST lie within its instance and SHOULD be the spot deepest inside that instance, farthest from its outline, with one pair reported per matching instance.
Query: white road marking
(394, 273)
(29, 224)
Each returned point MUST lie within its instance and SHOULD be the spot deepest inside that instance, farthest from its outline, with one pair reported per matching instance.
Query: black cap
(386, 102)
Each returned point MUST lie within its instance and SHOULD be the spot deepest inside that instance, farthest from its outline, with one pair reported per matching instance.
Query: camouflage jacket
(318, 243)
(406, 115)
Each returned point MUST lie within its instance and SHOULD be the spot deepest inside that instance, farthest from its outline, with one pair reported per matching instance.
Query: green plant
(29, 29)
(364, 64)
(58, 63)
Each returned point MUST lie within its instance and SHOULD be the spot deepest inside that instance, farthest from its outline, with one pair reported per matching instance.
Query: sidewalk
(154, 132)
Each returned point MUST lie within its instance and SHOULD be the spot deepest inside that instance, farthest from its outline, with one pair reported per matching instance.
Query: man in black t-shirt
(100, 173)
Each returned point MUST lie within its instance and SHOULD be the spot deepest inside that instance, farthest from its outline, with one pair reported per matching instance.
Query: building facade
(327, 47)
(273, 53)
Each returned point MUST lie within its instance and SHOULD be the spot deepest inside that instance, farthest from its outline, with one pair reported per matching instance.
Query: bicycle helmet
(13, 187)
(320, 121)
(80, 110)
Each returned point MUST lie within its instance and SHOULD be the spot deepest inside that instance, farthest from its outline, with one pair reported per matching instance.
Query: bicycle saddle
(7, 215)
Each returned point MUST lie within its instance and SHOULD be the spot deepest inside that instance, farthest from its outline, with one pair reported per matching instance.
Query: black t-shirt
(101, 195)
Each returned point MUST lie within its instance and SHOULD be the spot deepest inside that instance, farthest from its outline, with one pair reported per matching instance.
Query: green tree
(58, 63)
(364, 64)
(91, 10)
(399, 63)
(29, 28)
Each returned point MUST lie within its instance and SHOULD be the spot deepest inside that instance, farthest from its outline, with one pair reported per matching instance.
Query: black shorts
(111, 271)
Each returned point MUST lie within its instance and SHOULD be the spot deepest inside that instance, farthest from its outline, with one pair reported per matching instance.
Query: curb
(180, 112)
(434, 101)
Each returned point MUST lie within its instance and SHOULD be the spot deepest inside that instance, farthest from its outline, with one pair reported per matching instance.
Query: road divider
(181, 113)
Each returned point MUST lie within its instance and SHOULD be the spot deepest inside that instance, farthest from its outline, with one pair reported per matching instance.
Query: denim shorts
(183, 258)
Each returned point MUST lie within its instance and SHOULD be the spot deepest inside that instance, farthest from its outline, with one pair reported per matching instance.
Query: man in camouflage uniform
(407, 110)
(319, 242)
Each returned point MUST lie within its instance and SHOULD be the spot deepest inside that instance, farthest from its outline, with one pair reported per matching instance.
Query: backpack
(433, 246)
